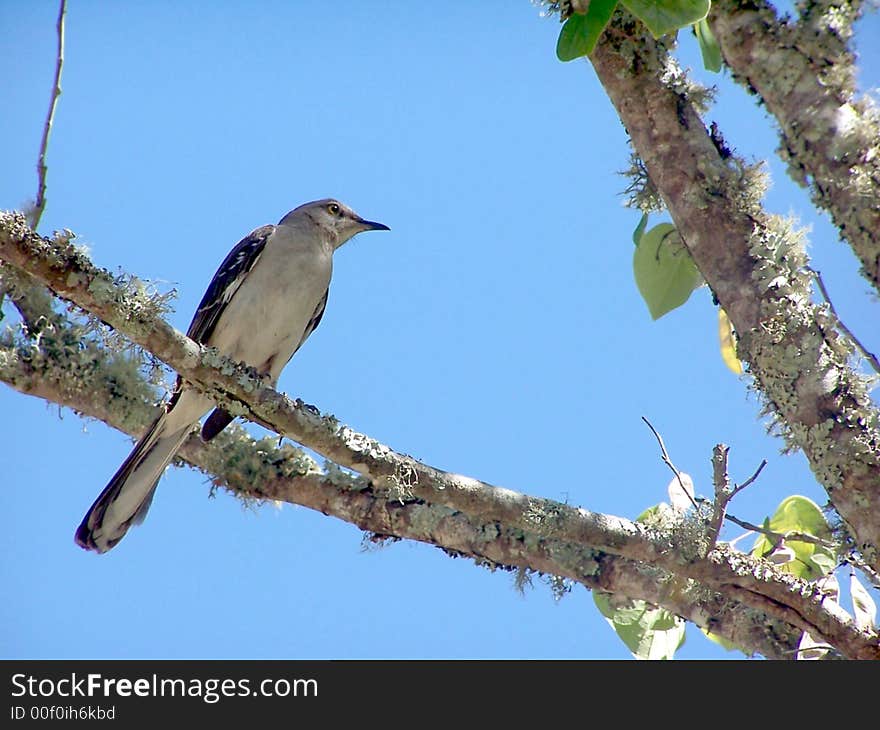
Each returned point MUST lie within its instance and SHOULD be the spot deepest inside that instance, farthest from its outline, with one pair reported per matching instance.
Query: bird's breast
(266, 318)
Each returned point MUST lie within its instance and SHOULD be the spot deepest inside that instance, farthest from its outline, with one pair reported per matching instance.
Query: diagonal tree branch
(804, 72)
(755, 265)
(98, 385)
(756, 584)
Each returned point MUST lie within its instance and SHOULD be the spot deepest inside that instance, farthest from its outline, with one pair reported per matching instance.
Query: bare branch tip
(869, 356)
(40, 201)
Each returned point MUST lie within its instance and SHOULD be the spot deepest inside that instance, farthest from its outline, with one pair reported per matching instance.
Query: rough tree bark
(755, 266)
(804, 72)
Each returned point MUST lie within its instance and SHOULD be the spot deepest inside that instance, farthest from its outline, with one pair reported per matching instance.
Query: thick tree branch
(98, 385)
(756, 583)
(804, 73)
(754, 264)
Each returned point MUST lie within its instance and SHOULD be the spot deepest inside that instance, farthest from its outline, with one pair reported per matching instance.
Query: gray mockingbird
(266, 298)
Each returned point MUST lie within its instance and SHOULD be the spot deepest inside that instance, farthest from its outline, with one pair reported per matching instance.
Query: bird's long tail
(127, 497)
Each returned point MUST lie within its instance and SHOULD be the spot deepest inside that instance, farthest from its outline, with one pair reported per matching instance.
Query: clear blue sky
(496, 331)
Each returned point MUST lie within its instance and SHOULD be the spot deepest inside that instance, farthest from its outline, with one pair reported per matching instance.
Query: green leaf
(648, 514)
(580, 33)
(799, 514)
(708, 46)
(665, 16)
(664, 270)
(572, 42)
(649, 632)
(640, 229)
(656, 515)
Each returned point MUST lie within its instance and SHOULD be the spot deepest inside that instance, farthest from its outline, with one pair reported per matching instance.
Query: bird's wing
(226, 281)
(222, 288)
(315, 320)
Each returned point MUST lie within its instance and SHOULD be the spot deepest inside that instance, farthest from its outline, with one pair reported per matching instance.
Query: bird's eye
(333, 208)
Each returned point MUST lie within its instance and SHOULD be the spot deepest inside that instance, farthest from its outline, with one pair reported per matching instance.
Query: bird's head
(336, 219)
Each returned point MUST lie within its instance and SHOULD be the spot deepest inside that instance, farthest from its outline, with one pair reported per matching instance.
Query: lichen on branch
(560, 539)
(754, 263)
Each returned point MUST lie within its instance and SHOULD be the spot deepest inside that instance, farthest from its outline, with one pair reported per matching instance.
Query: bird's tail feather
(215, 423)
(127, 497)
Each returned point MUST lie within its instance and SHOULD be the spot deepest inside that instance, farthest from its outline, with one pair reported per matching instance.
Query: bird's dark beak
(372, 225)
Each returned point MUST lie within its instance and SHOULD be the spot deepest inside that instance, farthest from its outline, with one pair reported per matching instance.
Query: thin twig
(779, 537)
(735, 540)
(869, 356)
(738, 488)
(40, 201)
(723, 493)
(666, 460)
(723, 496)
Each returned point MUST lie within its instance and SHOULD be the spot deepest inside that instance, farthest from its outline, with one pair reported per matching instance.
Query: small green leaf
(652, 515)
(580, 33)
(640, 229)
(572, 41)
(664, 271)
(799, 514)
(708, 46)
(665, 16)
(649, 632)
